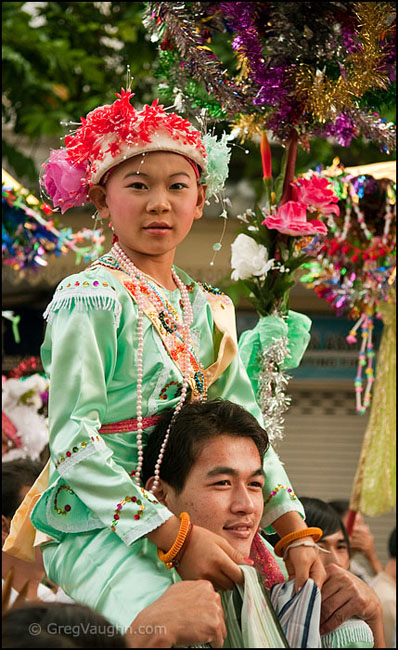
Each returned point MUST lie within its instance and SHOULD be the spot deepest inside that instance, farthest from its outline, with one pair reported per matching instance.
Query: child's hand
(303, 562)
(210, 557)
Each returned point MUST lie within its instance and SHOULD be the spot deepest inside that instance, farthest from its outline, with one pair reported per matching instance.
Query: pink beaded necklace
(134, 273)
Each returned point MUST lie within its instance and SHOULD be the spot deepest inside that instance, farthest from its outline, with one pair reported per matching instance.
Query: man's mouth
(240, 530)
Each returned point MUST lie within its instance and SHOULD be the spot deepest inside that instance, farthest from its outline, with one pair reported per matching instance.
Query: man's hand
(187, 613)
(362, 540)
(345, 595)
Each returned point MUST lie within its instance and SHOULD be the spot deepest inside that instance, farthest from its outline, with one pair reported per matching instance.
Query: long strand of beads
(134, 272)
(361, 221)
(369, 369)
(389, 215)
(347, 222)
(366, 356)
(126, 263)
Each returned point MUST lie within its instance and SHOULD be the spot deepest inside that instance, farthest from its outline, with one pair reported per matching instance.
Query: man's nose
(331, 557)
(243, 501)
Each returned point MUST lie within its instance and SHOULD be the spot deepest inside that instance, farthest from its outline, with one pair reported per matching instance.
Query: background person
(18, 477)
(344, 595)
(188, 612)
(385, 586)
(364, 560)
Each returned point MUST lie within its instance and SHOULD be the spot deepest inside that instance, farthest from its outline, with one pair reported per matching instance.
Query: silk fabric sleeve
(80, 352)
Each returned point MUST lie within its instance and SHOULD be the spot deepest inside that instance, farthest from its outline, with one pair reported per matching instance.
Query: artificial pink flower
(317, 194)
(291, 219)
(64, 183)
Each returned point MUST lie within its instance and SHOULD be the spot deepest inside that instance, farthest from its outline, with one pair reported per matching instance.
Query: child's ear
(201, 201)
(97, 194)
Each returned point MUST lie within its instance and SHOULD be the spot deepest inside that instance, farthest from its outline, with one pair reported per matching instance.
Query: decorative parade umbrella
(293, 71)
(297, 71)
(357, 278)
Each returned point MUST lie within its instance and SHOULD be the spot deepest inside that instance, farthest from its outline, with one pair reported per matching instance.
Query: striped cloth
(299, 616)
(283, 619)
(250, 618)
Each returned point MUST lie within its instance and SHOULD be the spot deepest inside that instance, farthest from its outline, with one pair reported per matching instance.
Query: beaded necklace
(127, 265)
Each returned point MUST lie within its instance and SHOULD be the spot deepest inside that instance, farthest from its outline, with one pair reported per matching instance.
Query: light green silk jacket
(90, 356)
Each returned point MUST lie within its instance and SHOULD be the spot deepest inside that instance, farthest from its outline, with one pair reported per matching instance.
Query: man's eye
(223, 482)
(256, 484)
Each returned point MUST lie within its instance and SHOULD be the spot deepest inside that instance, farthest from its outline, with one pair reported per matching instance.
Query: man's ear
(97, 194)
(5, 528)
(161, 491)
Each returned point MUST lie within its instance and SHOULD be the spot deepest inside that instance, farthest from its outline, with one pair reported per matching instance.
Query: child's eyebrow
(138, 173)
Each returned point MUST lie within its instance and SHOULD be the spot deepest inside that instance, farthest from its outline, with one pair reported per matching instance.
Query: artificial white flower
(27, 391)
(249, 258)
(21, 402)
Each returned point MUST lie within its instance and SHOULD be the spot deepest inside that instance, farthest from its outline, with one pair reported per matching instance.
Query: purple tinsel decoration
(271, 81)
(343, 130)
(349, 43)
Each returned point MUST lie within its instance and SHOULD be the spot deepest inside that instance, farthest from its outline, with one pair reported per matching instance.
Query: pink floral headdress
(110, 134)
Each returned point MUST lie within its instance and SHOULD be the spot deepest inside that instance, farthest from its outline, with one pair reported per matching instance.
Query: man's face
(338, 550)
(223, 490)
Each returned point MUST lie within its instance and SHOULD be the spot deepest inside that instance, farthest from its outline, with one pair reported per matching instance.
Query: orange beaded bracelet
(314, 532)
(178, 544)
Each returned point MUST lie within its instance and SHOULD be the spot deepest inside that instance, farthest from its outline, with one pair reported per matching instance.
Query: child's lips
(158, 228)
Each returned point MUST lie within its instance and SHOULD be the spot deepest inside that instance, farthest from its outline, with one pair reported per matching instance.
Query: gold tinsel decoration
(249, 126)
(324, 98)
(242, 66)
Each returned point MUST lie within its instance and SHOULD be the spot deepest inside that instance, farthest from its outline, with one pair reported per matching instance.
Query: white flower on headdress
(218, 155)
(249, 258)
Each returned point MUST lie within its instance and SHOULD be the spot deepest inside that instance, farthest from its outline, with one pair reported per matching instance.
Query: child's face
(152, 202)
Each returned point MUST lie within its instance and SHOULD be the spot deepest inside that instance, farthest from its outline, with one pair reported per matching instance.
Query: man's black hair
(323, 515)
(196, 423)
(341, 506)
(17, 474)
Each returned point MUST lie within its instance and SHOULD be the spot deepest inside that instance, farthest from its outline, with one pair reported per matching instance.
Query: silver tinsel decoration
(272, 384)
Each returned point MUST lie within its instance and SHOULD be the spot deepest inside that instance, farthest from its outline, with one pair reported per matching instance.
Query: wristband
(178, 543)
(314, 532)
(305, 542)
(177, 560)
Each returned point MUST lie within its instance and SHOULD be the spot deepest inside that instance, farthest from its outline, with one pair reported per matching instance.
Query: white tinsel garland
(272, 384)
